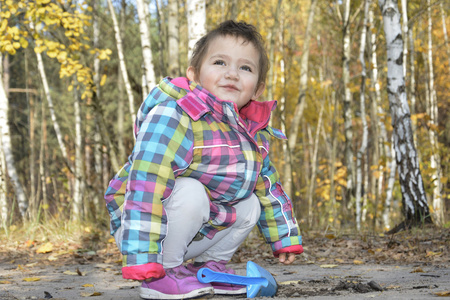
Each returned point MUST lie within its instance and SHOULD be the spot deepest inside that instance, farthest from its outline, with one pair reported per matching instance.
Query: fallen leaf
(5, 282)
(52, 257)
(431, 253)
(70, 273)
(358, 262)
(328, 266)
(31, 264)
(46, 248)
(417, 270)
(443, 294)
(288, 282)
(30, 279)
(88, 285)
(339, 260)
(91, 294)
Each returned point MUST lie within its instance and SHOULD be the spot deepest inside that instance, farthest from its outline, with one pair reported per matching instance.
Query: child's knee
(189, 195)
(249, 211)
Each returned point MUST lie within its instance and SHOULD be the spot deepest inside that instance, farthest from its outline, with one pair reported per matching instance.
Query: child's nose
(232, 73)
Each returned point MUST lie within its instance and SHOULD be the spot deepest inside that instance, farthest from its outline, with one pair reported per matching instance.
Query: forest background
(74, 73)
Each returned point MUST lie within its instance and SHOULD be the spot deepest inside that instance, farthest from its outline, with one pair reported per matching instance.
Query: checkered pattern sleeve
(162, 151)
(277, 222)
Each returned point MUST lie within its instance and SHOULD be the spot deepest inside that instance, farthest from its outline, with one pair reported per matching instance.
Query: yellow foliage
(103, 80)
(3, 25)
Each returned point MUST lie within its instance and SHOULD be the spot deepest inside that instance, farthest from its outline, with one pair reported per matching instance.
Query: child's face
(230, 70)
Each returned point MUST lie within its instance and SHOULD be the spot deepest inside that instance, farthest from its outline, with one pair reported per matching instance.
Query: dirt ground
(409, 265)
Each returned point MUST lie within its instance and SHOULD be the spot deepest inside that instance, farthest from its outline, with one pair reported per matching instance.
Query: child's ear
(259, 91)
(190, 73)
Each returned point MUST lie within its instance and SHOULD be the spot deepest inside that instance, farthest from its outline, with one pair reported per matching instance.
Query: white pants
(187, 210)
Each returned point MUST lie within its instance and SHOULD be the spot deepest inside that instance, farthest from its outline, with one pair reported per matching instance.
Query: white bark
(77, 213)
(174, 38)
(435, 164)
(271, 38)
(301, 102)
(123, 66)
(7, 150)
(413, 193)
(314, 168)
(42, 170)
(3, 191)
(444, 29)
(48, 96)
(405, 33)
(390, 188)
(362, 149)
(196, 20)
(379, 116)
(146, 44)
(348, 118)
(96, 78)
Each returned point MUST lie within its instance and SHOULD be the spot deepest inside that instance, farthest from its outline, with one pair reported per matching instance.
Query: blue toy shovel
(259, 282)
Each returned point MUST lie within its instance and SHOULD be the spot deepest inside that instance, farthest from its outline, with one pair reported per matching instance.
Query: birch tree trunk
(333, 155)
(174, 38)
(162, 43)
(390, 188)
(435, 161)
(7, 149)
(196, 20)
(3, 191)
(146, 45)
(120, 132)
(362, 99)
(301, 102)
(444, 29)
(314, 169)
(77, 208)
(123, 66)
(407, 36)
(42, 170)
(347, 99)
(32, 209)
(234, 10)
(96, 135)
(414, 200)
(51, 108)
(273, 35)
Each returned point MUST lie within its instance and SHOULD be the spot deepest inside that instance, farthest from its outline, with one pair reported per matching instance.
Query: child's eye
(219, 62)
(246, 68)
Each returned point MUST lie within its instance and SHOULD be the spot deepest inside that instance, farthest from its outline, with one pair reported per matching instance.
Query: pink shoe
(179, 283)
(220, 288)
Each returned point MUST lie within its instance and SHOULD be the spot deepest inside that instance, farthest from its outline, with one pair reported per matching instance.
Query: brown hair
(236, 29)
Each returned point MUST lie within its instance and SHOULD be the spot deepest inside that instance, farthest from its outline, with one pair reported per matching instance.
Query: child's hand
(286, 260)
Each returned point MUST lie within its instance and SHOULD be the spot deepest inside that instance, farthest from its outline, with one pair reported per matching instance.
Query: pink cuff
(142, 272)
(296, 249)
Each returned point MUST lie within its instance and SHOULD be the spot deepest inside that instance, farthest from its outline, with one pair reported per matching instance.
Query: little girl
(200, 178)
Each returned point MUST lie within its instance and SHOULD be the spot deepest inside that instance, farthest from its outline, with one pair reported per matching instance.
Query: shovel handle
(205, 275)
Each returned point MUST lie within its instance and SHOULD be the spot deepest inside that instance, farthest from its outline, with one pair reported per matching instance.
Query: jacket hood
(255, 114)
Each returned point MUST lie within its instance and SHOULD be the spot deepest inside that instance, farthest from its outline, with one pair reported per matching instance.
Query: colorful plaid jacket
(183, 130)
